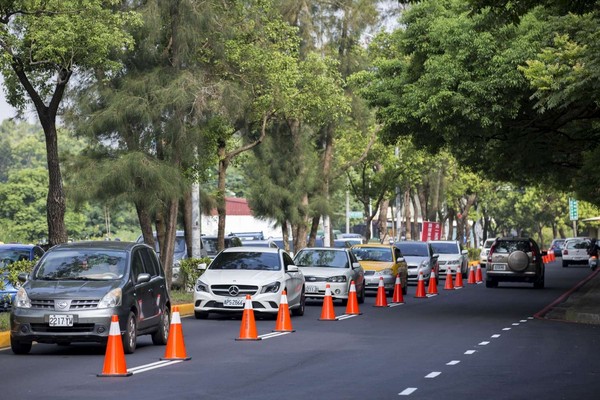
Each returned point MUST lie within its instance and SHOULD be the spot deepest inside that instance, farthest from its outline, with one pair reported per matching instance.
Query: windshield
(373, 254)
(9, 256)
(247, 260)
(83, 264)
(321, 258)
(445, 248)
(413, 249)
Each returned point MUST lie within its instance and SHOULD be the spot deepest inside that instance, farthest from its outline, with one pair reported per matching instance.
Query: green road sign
(573, 210)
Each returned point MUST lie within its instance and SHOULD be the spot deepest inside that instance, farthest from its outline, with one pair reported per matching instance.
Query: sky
(6, 111)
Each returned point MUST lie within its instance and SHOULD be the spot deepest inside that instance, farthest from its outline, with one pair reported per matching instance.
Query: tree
(511, 97)
(42, 43)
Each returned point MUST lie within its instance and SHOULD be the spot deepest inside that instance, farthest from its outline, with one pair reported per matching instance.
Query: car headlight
(271, 287)
(387, 271)
(22, 299)
(338, 279)
(111, 299)
(201, 286)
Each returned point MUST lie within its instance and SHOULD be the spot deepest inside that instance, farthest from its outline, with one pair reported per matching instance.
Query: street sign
(573, 210)
(355, 214)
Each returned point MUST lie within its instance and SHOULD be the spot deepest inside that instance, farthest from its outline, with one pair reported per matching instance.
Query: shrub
(190, 271)
(12, 271)
(474, 254)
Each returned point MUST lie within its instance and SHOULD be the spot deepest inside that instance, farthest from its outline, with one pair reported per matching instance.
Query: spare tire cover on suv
(518, 261)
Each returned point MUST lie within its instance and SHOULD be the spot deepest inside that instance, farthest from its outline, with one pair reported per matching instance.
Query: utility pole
(196, 221)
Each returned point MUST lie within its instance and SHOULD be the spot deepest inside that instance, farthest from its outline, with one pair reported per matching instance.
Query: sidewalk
(580, 304)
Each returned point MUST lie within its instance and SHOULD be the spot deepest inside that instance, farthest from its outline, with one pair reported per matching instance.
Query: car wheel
(565, 264)
(130, 335)
(491, 283)
(201, 314)
(299, 311)
(361, 296)
(20, 347)
(161, 336)
(404, 290)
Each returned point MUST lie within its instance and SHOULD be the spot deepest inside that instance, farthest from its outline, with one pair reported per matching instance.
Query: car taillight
(565, 251)
(491, 252)
(533, 254)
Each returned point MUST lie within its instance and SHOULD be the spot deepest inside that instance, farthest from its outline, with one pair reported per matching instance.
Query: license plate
(312, 289)
(499, 267)
(60, 320)
(234, 302)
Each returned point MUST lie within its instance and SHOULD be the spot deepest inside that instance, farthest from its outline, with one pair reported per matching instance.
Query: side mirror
(435, 255)
(22, 277)
(355, 265)
(202, 266)
(464, 252)
(401, 259)
(291, 268)
(143, 278)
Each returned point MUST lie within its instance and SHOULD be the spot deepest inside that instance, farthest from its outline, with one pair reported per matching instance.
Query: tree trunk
(166, 253)
(221, 203)
(187, 221)
(407, 214)
(382, 221)
(286, 236)
(145, 224)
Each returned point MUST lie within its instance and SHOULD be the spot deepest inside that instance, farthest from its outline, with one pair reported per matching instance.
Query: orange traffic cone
(478, 275)
(458, 284)
(381, 300)
(449, 285)
(432, 286)
(114, 360)
(352, 306)
(248, 327)
(175, 345)
(471, 279)
(398, 297)
(420, 294)
(284, 322)
(327, 312)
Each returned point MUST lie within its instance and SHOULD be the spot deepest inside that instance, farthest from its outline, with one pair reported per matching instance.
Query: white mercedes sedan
(261, 272)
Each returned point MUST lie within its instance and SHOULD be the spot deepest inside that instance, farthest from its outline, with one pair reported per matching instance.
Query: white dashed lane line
(435, 374)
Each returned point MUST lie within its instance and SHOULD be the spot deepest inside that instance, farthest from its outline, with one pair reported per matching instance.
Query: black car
(75, 288)
(210, 244)
(515, 259)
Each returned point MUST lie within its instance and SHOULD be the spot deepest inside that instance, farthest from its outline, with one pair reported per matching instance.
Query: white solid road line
(407, 392)
(155, 365)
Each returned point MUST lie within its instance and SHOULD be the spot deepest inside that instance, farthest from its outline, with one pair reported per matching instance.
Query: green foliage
(474, 253)
(13, 270)
(189, 268)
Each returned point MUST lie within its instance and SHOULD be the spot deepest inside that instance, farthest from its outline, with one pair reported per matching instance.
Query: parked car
(556, 247)
(515, 259)
(261, 272)
(180, 252)
(381, 260)
(575, 251)
(10, 253)
(420, 259)
(248, 236)
(260, 243)
(485, 249)
(210, 244)
(75, 289)
(337, 267)
(451, 255)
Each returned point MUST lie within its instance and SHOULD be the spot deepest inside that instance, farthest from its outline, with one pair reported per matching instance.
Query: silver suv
(75, 289)
(515, 259)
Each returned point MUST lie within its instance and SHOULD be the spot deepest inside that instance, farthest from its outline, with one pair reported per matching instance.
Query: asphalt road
(469, 343)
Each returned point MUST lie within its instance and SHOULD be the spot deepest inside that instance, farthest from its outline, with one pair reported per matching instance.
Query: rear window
(577, 244)
(247, 261)
(321, 258)
(413, 249)
(445, 248)
(508, 246)
(373, 254)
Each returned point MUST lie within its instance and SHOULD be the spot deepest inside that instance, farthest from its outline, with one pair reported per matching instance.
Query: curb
(184, 310)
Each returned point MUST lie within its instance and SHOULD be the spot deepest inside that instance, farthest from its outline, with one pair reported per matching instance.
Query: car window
(413, 249)
(287, 260)
(578, 244)
(246, 261)
(373, 254)
(82, 265)
(445, 248)
(137, 265)
(150, 265)
(322, 258)
(9, 256)
(509, 246)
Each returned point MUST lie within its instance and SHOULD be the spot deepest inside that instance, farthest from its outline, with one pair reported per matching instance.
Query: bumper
(502, 276)
(372, 282)
(261, 303)
(316, 290)
(88, 326)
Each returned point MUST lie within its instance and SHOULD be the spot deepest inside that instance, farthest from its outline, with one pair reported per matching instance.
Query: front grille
(315, 279)
(80, 304)
(76, 328)
(223, 290)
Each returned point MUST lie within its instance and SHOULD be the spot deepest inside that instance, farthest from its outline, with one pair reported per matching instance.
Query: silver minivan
(75, 288)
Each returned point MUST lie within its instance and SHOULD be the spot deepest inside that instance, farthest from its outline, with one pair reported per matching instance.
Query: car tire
(518, 261)
(20, 347)
(361, 296)
(201, 314)
(491, 283)
(130, 335)
(539, 283)
(565, 264)
(161, 336)
(299, 311)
